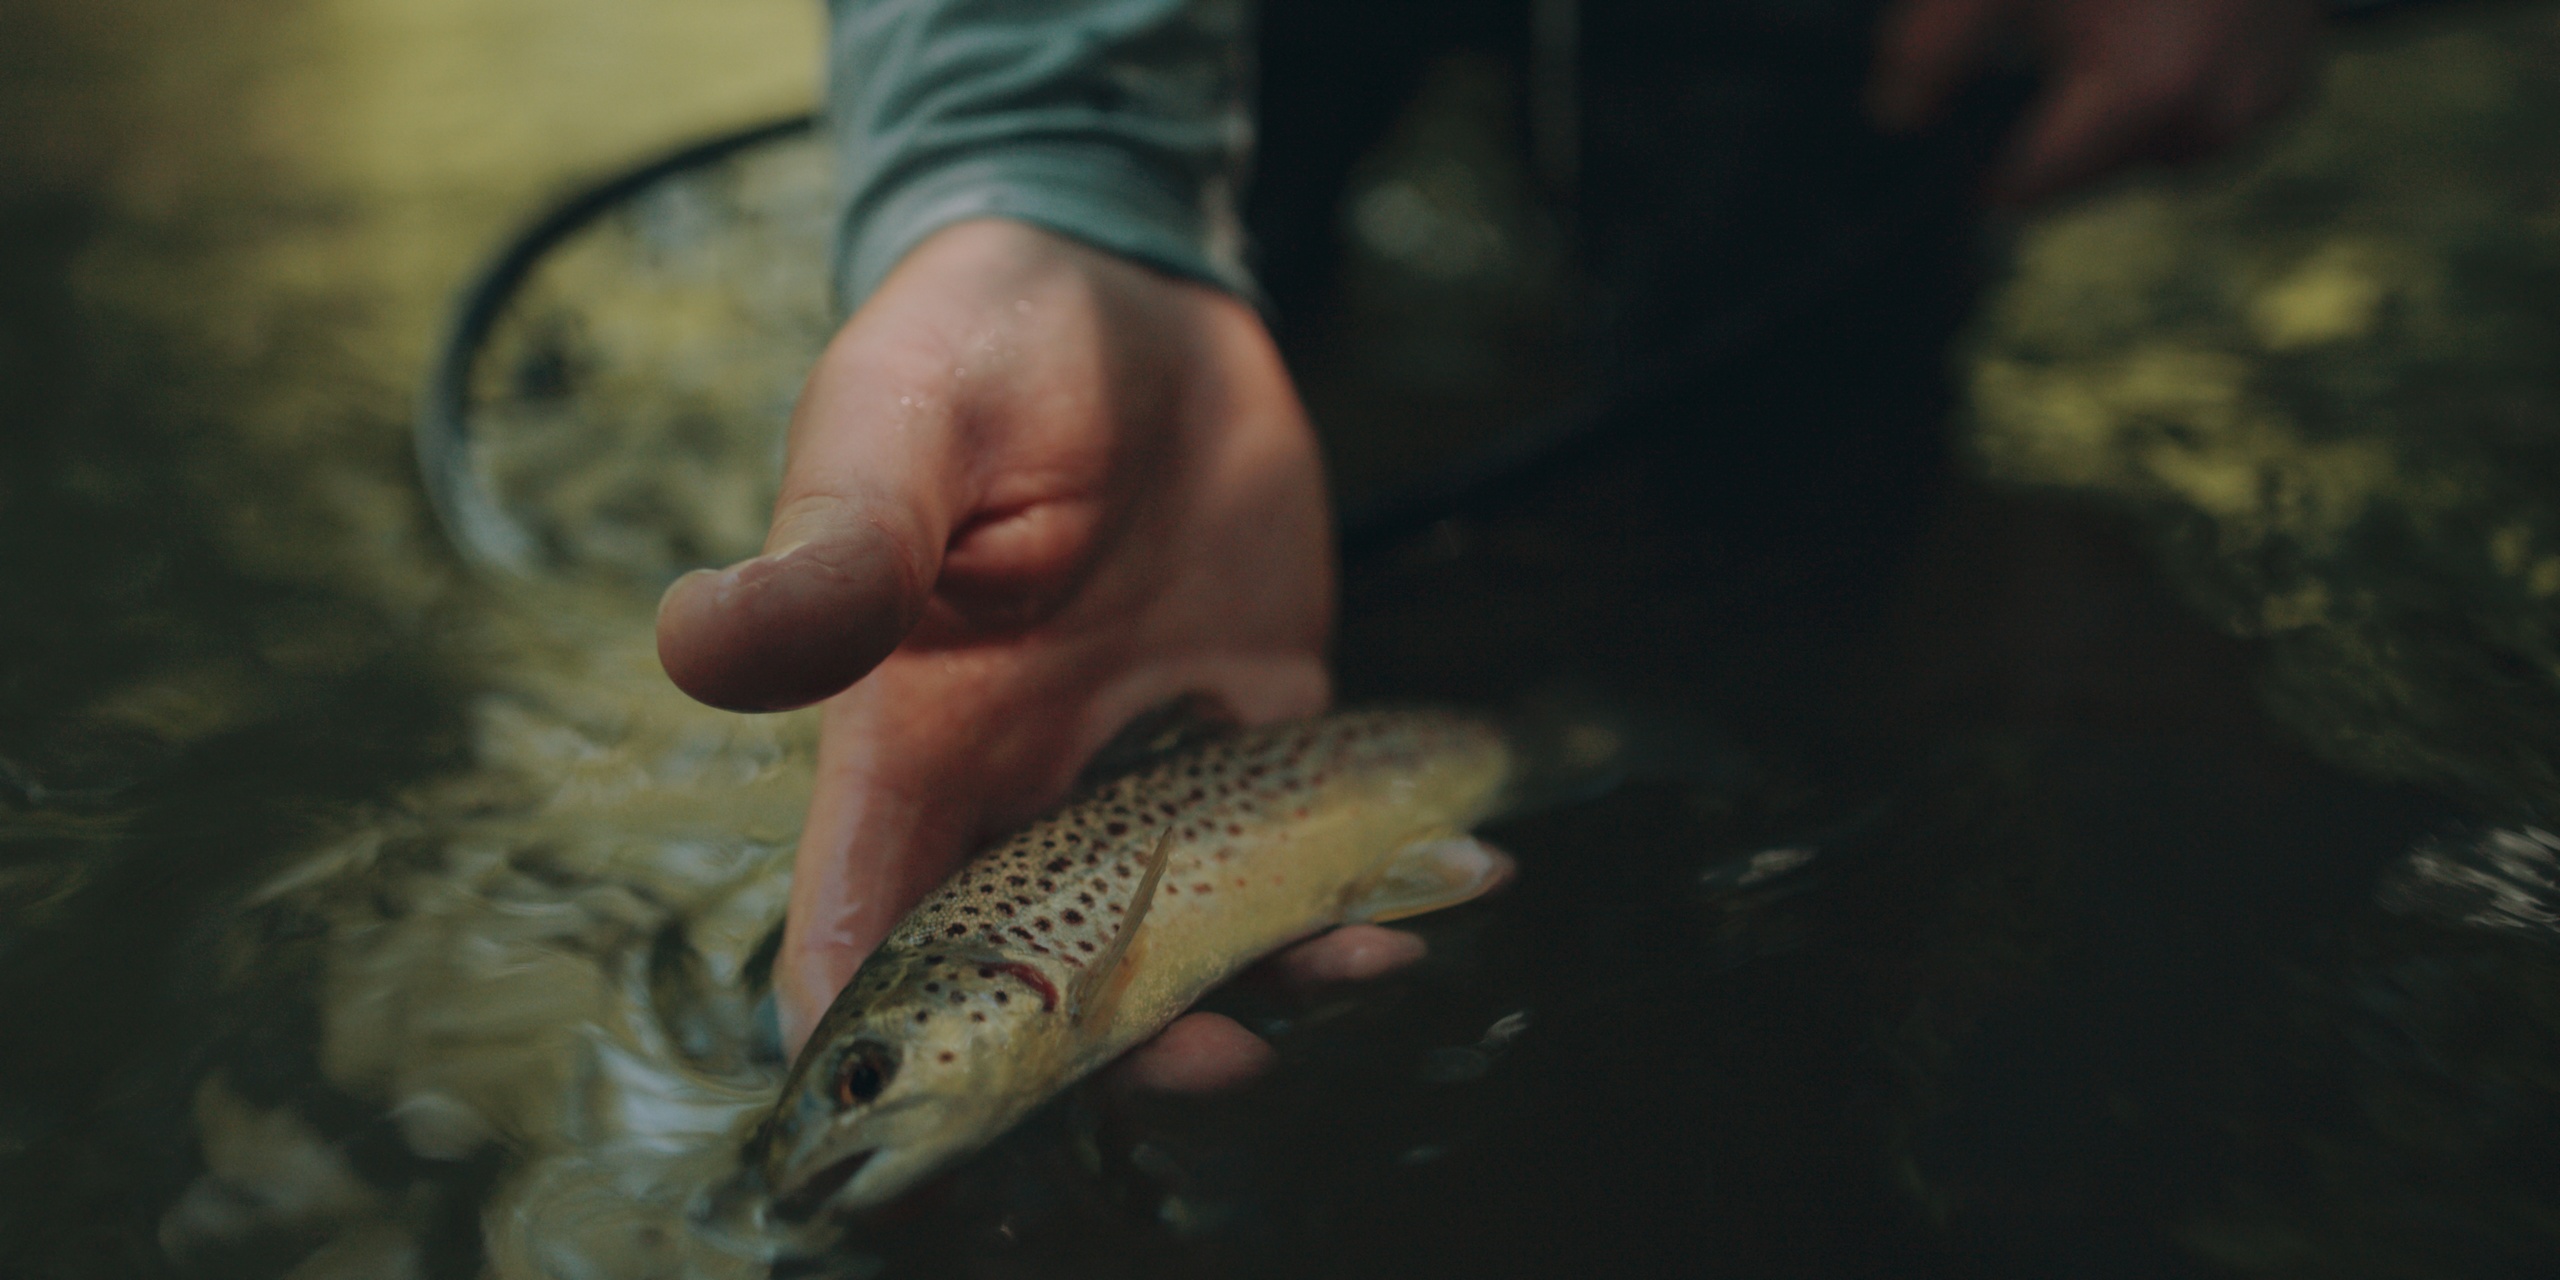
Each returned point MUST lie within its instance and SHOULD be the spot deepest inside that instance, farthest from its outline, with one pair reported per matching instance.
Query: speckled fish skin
(979, 1006)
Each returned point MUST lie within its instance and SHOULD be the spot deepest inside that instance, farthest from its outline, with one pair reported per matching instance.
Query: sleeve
(1121, 123)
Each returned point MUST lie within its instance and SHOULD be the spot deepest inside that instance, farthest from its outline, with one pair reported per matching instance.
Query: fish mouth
(805, 1200)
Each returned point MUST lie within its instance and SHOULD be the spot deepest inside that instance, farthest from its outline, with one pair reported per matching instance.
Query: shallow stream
(2146, 869)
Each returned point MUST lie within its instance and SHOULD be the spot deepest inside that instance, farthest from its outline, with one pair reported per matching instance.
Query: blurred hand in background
(2127, 81)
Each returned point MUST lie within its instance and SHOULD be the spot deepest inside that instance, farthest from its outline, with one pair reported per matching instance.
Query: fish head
(915, 1065)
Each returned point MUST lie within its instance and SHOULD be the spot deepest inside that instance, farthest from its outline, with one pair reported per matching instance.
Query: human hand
(1032, 491)
(2132, 81)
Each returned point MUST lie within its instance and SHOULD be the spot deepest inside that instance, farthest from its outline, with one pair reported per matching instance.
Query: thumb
(866, 505)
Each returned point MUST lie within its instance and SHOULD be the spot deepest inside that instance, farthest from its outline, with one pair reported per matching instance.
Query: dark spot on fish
(934, 987)
(944, 1056)
(1235, 828)
(1085, 898)
(1084, 946)
(1041, 924)
(1020, 932)
(1004, 908)
(1016, 881)
(977, 1017)
(985, 972)
(922, 1016)
(957, 929)
(1074, 917)
(1048, 886)
(1118, 828)
(1055, 865)
(1001, 998)
(1033, 979)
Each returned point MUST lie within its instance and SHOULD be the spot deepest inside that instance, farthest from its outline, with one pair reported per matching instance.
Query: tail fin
(1575, 741)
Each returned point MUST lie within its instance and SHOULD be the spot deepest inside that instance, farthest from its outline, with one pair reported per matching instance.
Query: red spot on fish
(1031, 978)
(1202, 887)
(945, 1056)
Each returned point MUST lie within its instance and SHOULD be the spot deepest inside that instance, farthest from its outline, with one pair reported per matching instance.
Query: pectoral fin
(1089, 993)
(1429, 876)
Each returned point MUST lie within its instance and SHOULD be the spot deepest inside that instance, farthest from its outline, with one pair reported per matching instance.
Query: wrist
(1092, 193)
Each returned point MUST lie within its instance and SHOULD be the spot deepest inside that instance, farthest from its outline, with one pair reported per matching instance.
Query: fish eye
(864, 1072)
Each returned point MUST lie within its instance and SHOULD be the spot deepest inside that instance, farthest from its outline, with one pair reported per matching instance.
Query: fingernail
(678, 585)
(736, 574)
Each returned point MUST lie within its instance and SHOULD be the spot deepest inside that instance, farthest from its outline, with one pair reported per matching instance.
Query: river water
(2143, 869)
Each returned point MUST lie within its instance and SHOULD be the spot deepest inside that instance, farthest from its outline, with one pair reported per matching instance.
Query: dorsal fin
(1084, 995)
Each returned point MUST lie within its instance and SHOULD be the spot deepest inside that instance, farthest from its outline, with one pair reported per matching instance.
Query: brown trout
(1056, 950)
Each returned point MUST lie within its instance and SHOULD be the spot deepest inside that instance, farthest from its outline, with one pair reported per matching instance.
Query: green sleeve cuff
(1096, 192)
